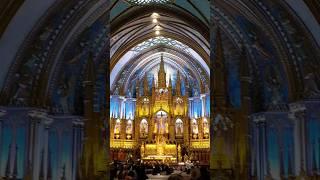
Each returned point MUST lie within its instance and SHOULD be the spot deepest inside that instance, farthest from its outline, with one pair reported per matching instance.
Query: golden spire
(186, 83)
(161, 64)
(161, 74)
(153, 82)
(202, 87)
(178, 85)
(145, 85)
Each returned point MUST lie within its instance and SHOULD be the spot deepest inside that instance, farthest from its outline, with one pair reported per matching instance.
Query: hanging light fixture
(155, 21)
(148, 2)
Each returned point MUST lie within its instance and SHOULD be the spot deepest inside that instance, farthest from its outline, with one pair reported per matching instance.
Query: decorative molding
(297, 107)
(258, 118)
(78, 122)
(2, 113)
(8, 9)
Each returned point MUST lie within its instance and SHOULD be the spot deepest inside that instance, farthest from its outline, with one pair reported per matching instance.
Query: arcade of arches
(230, 85)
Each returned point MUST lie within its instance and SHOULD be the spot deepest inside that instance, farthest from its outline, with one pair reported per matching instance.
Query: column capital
(297, 111)
(297, 107)
(258, 118)
(2, 113)
(78, 122)
(47, 121)
(37, 114)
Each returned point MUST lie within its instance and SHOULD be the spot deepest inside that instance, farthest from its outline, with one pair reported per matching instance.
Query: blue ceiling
(198, 8)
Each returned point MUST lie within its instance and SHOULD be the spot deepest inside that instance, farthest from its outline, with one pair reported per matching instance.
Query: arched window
(179, 127)
(143, 128)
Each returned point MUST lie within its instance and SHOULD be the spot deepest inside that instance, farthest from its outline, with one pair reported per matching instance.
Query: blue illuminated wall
(279, 137)
(51, 143)
(199, 106)
(121, 107)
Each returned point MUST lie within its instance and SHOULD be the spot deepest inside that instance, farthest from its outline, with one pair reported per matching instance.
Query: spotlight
(155, 15)
(157, 28)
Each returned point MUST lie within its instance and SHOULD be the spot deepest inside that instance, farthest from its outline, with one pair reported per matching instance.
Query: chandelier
(148, 2)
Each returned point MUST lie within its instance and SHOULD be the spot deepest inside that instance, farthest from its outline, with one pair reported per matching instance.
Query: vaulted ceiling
(183, 40)
(50, 48)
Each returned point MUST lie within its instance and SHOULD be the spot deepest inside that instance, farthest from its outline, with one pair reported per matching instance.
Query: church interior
(91, 87)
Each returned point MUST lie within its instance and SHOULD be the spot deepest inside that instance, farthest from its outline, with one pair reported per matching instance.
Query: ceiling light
(155, 15)
(157, 28)
(157, 33)
(154, 20)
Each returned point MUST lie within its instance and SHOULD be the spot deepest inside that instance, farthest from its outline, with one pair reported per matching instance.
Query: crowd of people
(138, 170)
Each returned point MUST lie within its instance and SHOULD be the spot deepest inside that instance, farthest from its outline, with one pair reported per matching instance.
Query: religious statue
(155, 128)
(206, 128)
(64, 92)
(273, 86)
(143, 128)
(160, 144)
(142, 150)
(129, 127)
(117, 129)
(310, 86)
(179, 153)
(116, 91)
(161, 125)
(166, 127)
(195, 127)
(179, 127)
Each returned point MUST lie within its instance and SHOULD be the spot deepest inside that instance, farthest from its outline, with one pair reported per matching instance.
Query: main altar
(161, 127)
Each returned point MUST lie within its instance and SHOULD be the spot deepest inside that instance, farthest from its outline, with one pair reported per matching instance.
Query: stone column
(150, 128)
(2, 114)
(123, 129)
(47, 123)
(133, 129)
(36, 145)
(186, 126)
(122, 105)
(76, 145)
(297, 115)
(171, 129)
(136, 123)
(261, 145)
(203, 98)
(112, 124)
(200, 128)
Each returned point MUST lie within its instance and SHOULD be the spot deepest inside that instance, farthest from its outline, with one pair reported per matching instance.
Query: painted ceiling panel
(203, 6)
(118, 8)
(198, 8)
(188, 7)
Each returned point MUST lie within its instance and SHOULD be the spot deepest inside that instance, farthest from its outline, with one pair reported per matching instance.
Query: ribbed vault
(270, 32)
